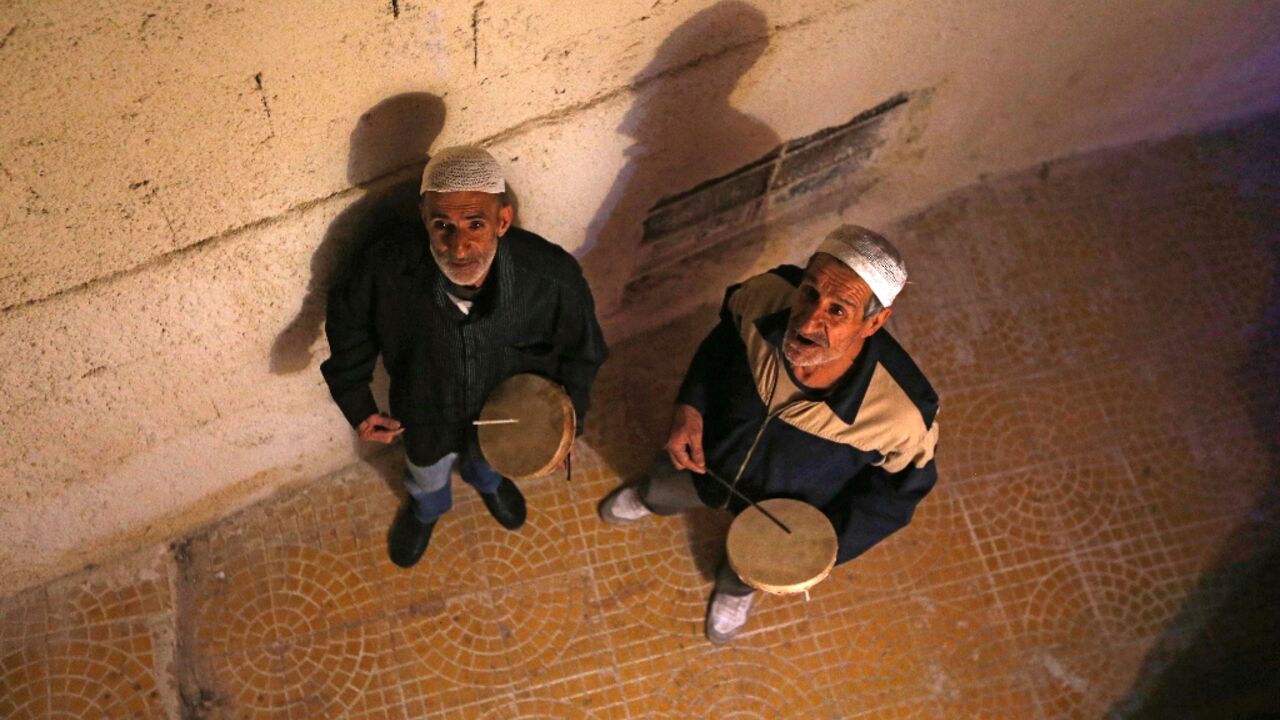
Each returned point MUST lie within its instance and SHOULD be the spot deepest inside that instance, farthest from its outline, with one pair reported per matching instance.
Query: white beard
(472, 277)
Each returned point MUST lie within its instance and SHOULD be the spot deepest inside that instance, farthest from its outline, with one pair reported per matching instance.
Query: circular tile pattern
(286, 630)
(1134, 598)
(323, 673)
(290, 592)
(461, 641)
(539, 624)
(502, 637)
(538, 709)
(1050, 507)
(986, 431)
(655, 580)
(77, 680)
(740, 684)
(1054, 608)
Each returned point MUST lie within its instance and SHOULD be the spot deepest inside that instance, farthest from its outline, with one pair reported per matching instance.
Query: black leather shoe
(409, 536)
(506, 505)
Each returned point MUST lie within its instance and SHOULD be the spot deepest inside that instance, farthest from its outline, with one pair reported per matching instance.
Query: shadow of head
(388, 149)
(686, 131)
(731, 35)
(394, 134)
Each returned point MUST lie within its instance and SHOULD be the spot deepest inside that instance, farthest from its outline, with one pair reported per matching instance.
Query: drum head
(536, 444)
(767, 558)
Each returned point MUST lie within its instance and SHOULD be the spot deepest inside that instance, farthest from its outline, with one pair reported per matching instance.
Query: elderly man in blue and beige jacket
(800, 392)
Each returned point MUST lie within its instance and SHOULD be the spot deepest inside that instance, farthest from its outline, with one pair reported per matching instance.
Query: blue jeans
(429, 485)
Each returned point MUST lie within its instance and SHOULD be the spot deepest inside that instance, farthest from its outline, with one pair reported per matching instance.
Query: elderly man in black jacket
(453, 314)
(799, 392)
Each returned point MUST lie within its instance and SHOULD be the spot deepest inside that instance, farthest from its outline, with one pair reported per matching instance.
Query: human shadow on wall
(387, 152)
(685, 131)
(388, 149)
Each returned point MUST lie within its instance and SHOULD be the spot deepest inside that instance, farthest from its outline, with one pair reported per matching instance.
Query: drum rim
(793, 588)
(571, 420)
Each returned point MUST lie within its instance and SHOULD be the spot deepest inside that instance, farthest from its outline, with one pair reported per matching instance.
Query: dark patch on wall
(5, 40)
(678, 225)
(395, 8)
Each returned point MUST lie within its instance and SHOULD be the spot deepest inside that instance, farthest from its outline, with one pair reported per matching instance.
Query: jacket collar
(845, 397)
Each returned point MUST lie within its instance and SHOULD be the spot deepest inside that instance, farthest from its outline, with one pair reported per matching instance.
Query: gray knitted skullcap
(463, 168)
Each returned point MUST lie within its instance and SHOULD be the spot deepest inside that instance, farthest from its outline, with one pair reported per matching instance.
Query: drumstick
(754, 504)
(504, 421)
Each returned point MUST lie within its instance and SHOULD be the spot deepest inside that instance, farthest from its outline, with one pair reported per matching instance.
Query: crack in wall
(207, 243)
(475, 34)
(395, 8)
(271, 128)
(500, 136)
(5, 40)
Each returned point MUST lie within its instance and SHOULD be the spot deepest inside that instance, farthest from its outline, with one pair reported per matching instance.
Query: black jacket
(535, 314)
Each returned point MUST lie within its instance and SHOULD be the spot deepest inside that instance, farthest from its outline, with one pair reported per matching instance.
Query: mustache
(449, 259)
(819, 339)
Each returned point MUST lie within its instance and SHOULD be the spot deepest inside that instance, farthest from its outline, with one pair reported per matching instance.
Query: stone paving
(1102, 331)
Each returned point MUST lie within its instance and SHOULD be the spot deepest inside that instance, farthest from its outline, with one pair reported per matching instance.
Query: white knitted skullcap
(463, 168)
(871, 256)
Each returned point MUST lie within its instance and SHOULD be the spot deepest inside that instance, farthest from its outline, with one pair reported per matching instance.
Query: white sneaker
(623, 506)
(727, 615)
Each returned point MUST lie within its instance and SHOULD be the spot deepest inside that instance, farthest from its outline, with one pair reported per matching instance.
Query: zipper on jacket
(773, 388)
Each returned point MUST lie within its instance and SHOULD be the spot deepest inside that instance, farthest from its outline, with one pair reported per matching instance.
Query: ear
(876, 322)
(505, 215)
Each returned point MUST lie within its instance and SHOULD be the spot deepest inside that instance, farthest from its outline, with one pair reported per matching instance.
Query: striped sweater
(534, 314)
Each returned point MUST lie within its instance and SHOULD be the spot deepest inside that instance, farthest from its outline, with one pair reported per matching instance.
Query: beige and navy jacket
(862, 452)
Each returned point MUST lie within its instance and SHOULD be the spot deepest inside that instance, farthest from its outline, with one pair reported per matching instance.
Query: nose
(458, 246)
(808, 321)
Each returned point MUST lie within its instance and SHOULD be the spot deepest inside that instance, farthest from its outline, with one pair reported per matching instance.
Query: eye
(477, 224)
(837, 311)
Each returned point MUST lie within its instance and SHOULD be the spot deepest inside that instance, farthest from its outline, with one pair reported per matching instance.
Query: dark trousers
(668, 491)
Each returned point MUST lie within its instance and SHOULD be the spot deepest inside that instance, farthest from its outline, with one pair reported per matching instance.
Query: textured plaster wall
(175, 180)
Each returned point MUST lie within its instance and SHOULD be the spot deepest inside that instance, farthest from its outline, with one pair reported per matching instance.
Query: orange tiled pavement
(1100, 541)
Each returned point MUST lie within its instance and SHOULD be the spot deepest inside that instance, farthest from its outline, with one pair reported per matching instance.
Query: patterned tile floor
(1102, 543)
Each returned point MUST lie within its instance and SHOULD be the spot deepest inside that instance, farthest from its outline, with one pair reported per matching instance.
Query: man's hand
(685, 444)
(379, 428)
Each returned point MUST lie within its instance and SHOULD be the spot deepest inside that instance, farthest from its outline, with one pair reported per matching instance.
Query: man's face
(826, 323)
(463, 230)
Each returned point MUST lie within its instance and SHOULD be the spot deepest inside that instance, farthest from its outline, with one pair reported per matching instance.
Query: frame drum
(539, 440)
(769, 559)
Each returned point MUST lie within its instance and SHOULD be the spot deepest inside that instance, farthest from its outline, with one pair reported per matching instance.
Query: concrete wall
(178, 181)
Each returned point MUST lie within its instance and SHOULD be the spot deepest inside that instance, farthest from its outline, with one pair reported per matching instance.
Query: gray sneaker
(727, 615)
(623, 506)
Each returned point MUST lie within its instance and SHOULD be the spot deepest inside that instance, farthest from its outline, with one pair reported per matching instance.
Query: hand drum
(537, 442)
(769, 559)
